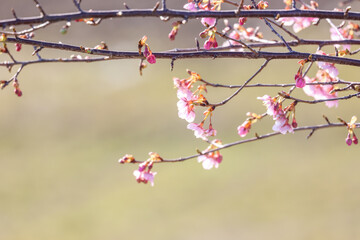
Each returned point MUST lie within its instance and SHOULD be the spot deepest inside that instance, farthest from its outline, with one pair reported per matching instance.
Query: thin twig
(241, 88)
(299, 129)
(321, 14)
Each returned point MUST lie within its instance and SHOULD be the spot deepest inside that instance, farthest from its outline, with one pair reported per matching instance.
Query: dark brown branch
(199, 54)
(322, 14)
(293, 43)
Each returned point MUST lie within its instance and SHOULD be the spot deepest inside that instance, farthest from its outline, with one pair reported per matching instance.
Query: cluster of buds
(17, 90)
(102, 46)
(150, 57)
(213, 158)
(351, 137)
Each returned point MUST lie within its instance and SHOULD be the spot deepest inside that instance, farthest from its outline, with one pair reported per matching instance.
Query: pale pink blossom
(274, 109)
(298, 23)
(210, 160)
(191, 6)
(321, 92)
(244, 128)
(271, 104)
(340, 34)
(208, 21)
(200, 132)
(186, 105)
(144, 176)
(282, 124)
(328, 67)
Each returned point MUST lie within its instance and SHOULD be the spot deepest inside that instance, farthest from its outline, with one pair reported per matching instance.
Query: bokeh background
(60, 142)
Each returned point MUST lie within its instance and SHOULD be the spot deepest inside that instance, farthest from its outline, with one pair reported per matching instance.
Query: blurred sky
(60, 144)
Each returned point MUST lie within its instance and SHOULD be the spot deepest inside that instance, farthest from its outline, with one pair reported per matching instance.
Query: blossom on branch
(212, 159)
(321, 92)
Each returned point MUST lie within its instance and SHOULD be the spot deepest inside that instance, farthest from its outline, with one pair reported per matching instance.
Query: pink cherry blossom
(186, 105)
(208, 21)
(274, 109)
(282, 124)
(271, 104)
(298, 23)
(244, 128)
(210, 160)
(144, 176)
(320, 92)
(200, 132)
(191, 6)
(328, 67)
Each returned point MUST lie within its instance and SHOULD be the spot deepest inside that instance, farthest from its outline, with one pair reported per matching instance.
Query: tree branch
(322, 14)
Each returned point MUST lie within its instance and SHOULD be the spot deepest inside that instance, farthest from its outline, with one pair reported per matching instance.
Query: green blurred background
(60, 144)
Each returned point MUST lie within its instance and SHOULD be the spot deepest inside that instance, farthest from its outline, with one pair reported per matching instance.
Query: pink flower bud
(242, 21)
(18, 46)
(354, 139)
(299, 81)
(18, 92)
(151, 59)
(348, 140)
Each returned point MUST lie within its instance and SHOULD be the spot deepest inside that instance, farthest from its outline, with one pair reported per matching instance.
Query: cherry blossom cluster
(189, 99)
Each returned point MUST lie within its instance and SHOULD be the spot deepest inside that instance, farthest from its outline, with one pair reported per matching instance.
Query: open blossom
(191, 6)
(200, 132)
(271, 104)
(298, 23)
(320, 92)
(328, 67)
(186, 105)
(282, 124)
(274, 109)
(212, 159)
(144, 176)
(244, 128)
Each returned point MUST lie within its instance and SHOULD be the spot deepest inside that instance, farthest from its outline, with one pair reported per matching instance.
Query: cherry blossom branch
(256, 138)
(187, 55)
(52, 18)
(279, 85)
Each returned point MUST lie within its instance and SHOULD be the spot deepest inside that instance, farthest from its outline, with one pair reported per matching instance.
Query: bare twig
(241, 88)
